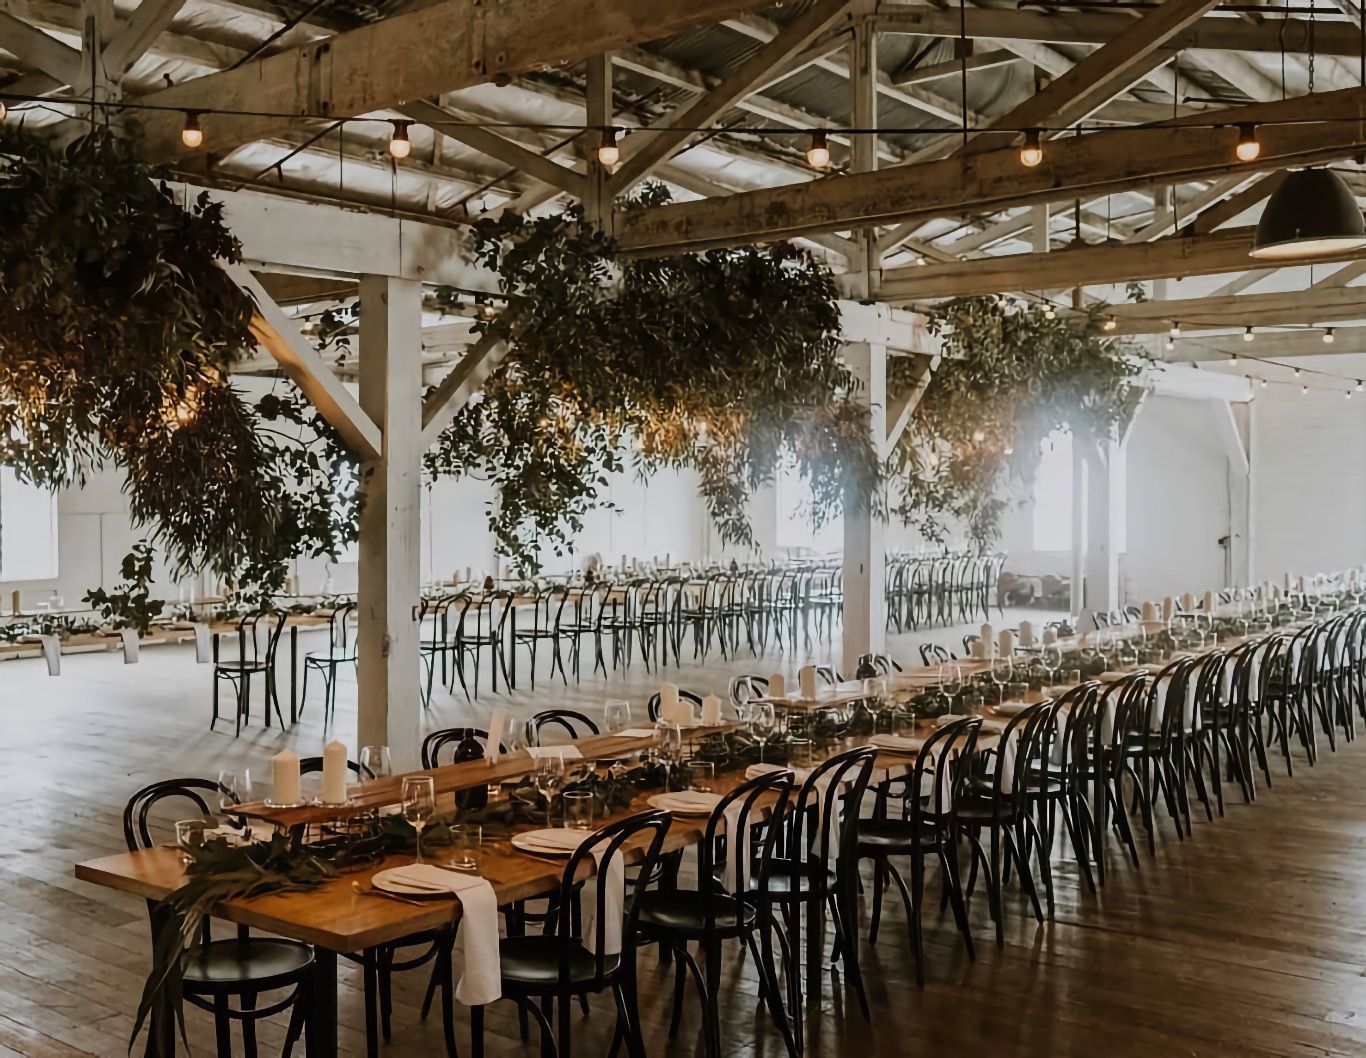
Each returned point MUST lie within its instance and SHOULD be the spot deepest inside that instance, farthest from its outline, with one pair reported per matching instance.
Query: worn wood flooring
(1248, 940)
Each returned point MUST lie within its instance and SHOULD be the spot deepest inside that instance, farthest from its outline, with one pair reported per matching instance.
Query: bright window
(1053, 494)
(794, 516)
(28, 530)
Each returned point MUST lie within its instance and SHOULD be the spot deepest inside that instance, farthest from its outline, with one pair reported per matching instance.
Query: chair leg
(222, 1027)
(248, 1002)
(371, 978)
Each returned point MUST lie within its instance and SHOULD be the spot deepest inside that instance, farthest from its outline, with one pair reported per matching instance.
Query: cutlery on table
(380, 892)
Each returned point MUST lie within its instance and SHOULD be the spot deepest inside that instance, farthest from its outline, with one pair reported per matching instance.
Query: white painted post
(1079, 527)
(1104, 508)
(865, 601)
(390, 529)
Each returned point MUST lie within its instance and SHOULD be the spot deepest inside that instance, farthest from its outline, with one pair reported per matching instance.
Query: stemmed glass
(419, 804)
(375, 763)
(762, 723)
(550, 780)
(234, 787)
(1002, 671)
(1051, 656)
(670, 749)
(617, 715)
(950, 682)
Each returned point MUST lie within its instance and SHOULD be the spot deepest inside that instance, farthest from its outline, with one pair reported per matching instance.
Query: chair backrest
(601, 847)
(829, 675)
(743, 688)
(576, 724)
(136, 829)
(469, 745)
(339, 625)
(652, 706)
(1029, 736)
(933, 652)
(312, 765)
(765, 793)
(941, 769)
(836, 784)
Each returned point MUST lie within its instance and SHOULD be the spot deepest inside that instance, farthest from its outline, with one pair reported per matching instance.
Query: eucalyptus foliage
(726, 363)
(1009, 377)
(117, 332)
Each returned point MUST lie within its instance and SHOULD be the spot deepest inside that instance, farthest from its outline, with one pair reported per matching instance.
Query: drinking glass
(189, 834)
(578, 809)
(419, 804)
(466, 839)
(375, 762)
(1051, 656)
(234, 787)
(763, 721)
(800, 752)
(550, 780)
(617, 715)
(701, 775)
(1002, 672)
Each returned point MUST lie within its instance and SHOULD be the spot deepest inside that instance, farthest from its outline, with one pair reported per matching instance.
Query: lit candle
(284, 774)
(334, 773)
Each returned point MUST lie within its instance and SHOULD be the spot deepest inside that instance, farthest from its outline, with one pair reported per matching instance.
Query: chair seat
(889, 835)
(233, 668)
(535, 961)
(688, 911)
(224, 963)
(982, 811)
(786, 877)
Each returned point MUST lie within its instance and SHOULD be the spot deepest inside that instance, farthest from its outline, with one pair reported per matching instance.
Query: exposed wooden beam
(280, 336)
(449, 45)
(1223, 212)
(445, 123)
(648, 148)
(1168, 220)
(442, 404)
(899, 411)
(1326, 126)
(39, 50)
(1347, 341)
(1306, 307)
(1213, 32)
(1104, 74)
(986, 60)
(149, 21)
(1171, 258)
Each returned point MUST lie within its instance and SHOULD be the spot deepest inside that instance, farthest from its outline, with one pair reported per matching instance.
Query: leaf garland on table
(118, 329)
(1008, 378)
(725, 363)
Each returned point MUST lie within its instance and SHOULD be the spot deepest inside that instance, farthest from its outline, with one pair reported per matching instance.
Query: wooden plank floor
(1247, 940)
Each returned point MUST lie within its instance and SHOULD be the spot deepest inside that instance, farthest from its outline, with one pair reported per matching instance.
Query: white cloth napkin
(755, 770)
(481, 981)
(52, 653)
(203, 643)
(737, 845)
(897, 743)
(1010, 708)
(614, 902)
(635, 732)
(563, 752)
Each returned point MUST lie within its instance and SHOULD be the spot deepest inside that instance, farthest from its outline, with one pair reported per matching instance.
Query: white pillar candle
(1006, 643)
(1188, 603)
(284, 775)
(1168, 607)
(334, 773)
(711, 711)
(1026, 634)
(1149, 612)
(1209, 602)
(806, 678)
(777, 686)
(668, 702)
(1050, 635)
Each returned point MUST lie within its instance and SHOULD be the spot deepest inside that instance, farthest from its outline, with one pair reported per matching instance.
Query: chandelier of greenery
(1009, 376)
(726, 363)
(117, 332)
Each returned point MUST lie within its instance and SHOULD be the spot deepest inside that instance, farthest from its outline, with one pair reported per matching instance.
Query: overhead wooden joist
(1213, 32)
(1315, 306)
(1327, 126)
(1269, 345)
(1170, 258)
(449, 45)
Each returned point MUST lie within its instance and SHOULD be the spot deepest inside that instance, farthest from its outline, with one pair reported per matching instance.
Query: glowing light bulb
(1247, 335)
(818, 154)
(191, 135)
(1175, 332)
(399, 144)
(1031, 154)
(1248, 146)
(1110, 323)
(1304, 390)
(1328, 336)
(609, 152)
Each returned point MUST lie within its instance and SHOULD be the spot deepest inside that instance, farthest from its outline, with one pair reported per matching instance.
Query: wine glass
(375, 762)
(234, 787)
(762, 723)
(550, 780)
(1051, 656)
(1002, 672)
(617, 715)
(419, 804)
(669, 750)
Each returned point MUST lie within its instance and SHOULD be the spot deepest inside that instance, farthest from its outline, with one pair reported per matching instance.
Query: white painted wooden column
(1104, 509)
(1234, 421)
(1077, 602)
(865, 560)
(390, 529)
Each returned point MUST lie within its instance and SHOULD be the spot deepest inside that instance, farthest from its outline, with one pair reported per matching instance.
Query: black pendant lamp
(1312, 213)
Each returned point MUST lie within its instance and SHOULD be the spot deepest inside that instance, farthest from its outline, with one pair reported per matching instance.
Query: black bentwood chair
(251, 661)
(558, 965)
(722, 907)
(218, 971)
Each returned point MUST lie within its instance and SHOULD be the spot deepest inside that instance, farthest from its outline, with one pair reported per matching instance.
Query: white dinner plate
(686, 804)
(556, 841)
(385, 881)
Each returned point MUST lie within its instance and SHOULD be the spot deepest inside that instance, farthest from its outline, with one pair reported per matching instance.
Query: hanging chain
(1312, 4)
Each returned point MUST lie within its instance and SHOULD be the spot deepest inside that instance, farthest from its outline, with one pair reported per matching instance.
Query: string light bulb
(1232, 358)
(818, 154)
(1263, 383)
(1031, 154)
(1110, 323)
(1175, 332)
(1297, 372)
(1247, 334)
(1249, 147)
(3, 110)
(191, 135)
(1304, 390)
(1049, 312)
(1358, 389)
(1328, 336)
(399, 144)
(609, 151)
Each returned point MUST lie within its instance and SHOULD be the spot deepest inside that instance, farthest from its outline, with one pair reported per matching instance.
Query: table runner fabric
(481, 981)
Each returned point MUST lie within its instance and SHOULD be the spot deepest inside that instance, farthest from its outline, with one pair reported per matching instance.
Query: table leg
(321, 1034)
(293, 675)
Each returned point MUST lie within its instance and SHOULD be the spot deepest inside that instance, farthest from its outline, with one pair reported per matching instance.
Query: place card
(498, 724)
